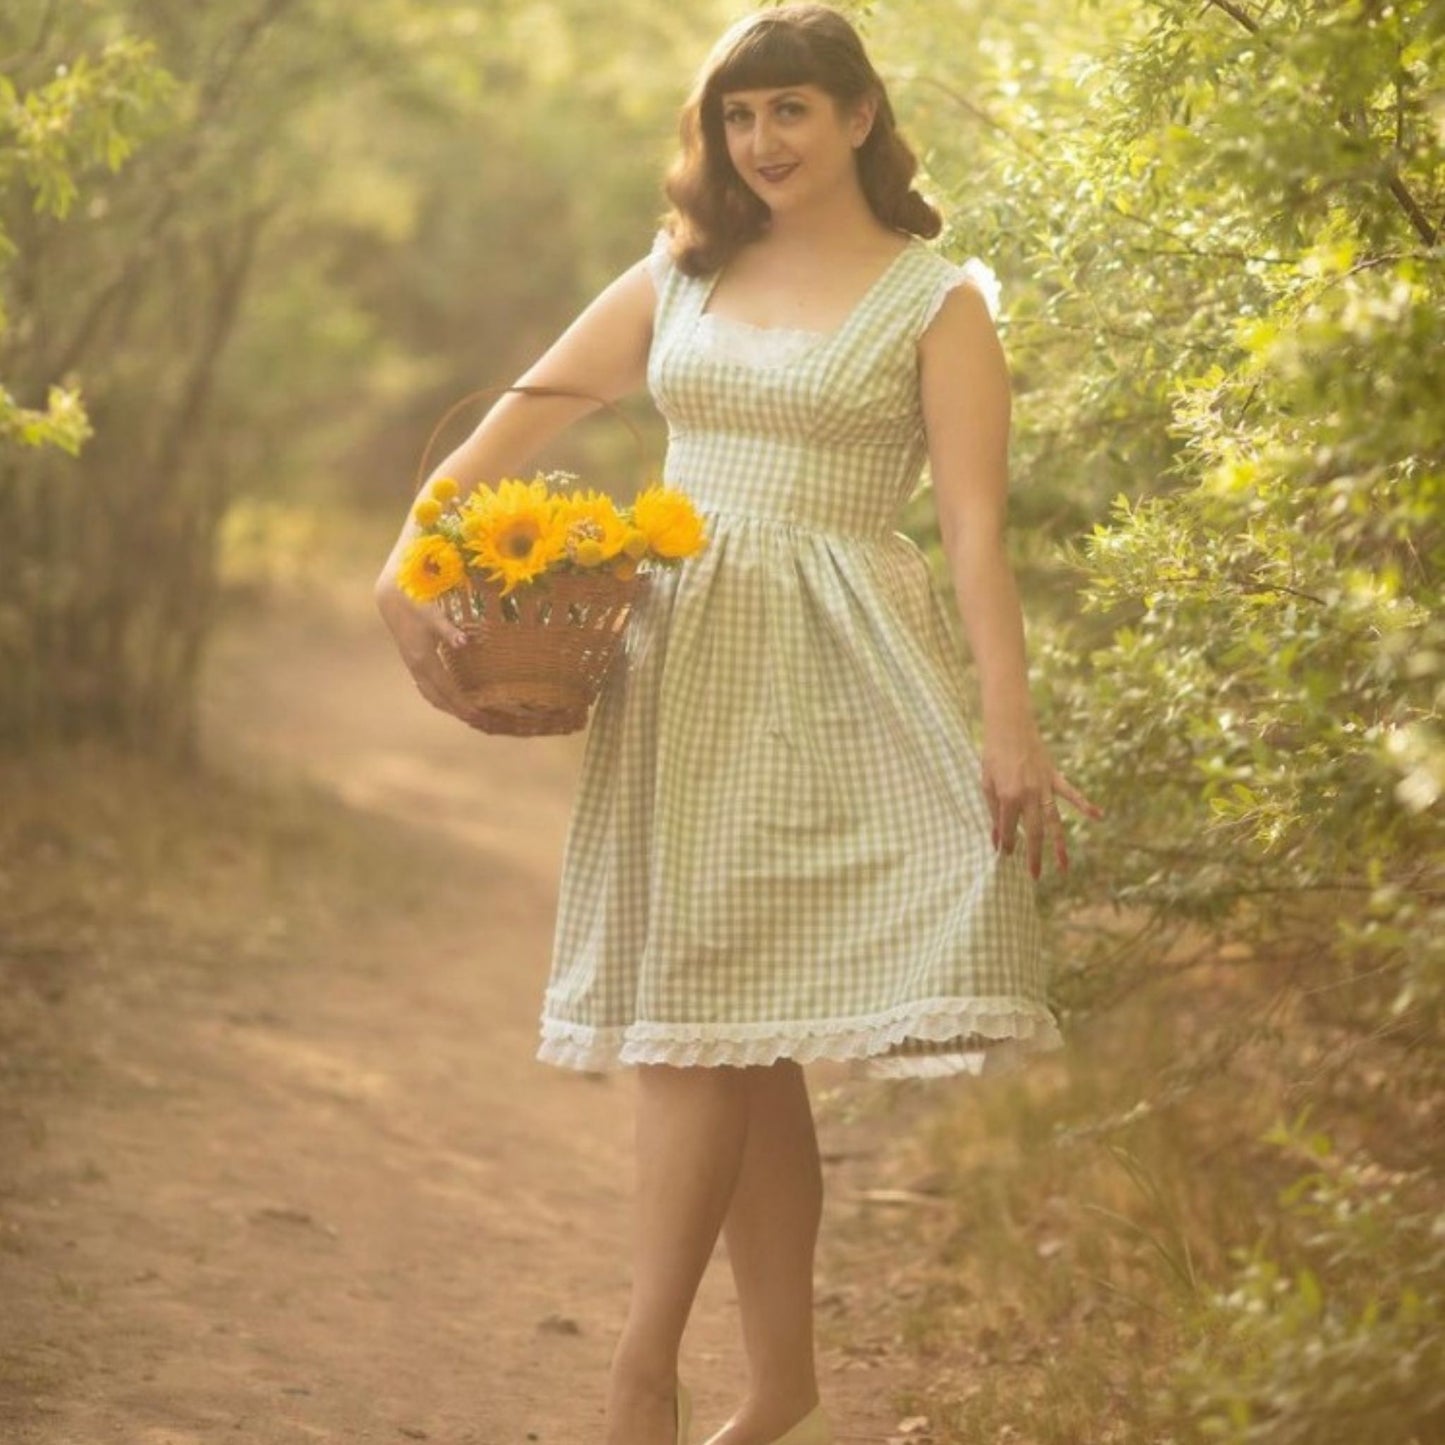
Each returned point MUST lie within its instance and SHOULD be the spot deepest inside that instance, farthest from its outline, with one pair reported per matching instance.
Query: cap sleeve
(659, 263)
(974, 270)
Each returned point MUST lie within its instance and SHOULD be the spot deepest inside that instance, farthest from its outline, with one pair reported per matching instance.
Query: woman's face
(791, 144)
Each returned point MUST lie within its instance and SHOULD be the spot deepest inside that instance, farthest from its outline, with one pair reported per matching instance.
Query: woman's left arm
(967, 405)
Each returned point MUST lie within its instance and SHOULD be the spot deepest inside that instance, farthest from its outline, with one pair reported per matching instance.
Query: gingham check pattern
(780, 845)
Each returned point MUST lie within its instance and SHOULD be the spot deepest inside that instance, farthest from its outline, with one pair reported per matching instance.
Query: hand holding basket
(545, 597)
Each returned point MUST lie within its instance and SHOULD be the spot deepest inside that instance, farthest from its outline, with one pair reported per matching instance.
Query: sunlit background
(275, 1161)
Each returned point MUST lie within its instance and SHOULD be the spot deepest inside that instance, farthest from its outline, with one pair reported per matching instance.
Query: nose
(763, 129)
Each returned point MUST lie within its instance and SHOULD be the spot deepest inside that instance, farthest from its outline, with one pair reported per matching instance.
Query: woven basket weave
(533, 662)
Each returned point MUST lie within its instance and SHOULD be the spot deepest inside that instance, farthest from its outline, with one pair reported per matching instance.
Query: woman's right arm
(604, 352)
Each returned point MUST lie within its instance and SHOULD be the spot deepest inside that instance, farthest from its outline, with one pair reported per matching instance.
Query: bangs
(768, 57)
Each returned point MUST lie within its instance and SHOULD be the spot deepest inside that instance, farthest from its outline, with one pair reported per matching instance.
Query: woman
(784, 846)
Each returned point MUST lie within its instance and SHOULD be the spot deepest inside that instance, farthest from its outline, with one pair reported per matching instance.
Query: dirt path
(339, 1200)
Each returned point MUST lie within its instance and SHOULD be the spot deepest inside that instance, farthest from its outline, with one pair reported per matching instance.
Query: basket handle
(452, 410)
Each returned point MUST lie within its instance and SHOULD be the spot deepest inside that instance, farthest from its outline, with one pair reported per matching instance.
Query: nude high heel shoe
(684, 1413)
(812, 1429)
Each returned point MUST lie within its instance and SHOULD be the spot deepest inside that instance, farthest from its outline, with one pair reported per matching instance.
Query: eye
(795, 106)
(732, 115)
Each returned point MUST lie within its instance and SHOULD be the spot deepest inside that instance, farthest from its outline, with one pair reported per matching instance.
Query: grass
(1090, 1213)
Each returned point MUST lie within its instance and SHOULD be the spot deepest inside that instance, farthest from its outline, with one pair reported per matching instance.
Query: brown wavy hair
(713, 213)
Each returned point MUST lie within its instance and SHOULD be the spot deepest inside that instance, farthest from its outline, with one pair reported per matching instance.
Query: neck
(832, 223)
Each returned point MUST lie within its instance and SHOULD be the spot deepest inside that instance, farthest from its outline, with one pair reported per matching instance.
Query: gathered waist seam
(883, 533)
(804, 446)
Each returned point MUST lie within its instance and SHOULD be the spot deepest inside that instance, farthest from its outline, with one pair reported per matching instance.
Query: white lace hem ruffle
(1009, 1030)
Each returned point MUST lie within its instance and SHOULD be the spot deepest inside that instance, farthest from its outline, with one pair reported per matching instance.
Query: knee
(697, 1078)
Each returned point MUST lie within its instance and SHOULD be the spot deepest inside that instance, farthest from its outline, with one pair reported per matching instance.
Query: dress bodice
(818, 429)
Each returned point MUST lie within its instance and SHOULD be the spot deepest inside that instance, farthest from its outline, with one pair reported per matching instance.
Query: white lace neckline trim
(743, 341)
(731, 323)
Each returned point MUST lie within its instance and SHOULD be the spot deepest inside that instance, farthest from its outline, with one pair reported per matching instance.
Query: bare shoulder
(963, 375)
(606, 347)
(963, 320)
(633, 289)
(960, 356)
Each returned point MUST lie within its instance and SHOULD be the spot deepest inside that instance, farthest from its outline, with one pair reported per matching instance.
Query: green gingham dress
(780, 846)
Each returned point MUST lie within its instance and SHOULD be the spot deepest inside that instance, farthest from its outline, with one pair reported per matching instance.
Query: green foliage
(1299, 576)
(62, 423)
(92, 113)
(343, 218)
(1218, 231)
(1345, 1340)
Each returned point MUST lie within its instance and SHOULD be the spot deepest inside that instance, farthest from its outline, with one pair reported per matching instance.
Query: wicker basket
(533, 662)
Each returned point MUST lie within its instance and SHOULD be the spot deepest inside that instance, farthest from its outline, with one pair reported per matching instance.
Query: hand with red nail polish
(1021, 782)
(420, 632)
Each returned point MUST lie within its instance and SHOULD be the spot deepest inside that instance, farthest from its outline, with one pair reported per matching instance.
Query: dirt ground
(339, 1200)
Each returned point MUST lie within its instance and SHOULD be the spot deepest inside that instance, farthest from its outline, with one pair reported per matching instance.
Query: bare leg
(771, 1232)
(691, 1128)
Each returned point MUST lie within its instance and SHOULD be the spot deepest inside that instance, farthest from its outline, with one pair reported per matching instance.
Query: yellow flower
(427, 511)
(429, 567)
(512, 532)
(443, 489)
(509, 494)
(584, 542)
(667, 518)
(591, 527)
(475, 509)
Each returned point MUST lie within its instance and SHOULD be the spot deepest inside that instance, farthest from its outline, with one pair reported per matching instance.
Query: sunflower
(512, 532)
(667, 519)
(508, 495)
(592, 529)
(429, 567)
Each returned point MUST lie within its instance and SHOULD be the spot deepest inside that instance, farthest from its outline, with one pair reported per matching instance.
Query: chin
(778, 203)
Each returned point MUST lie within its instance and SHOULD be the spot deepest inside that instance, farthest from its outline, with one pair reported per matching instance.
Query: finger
(459, 704)
(1055, 825)
(437, 696)
(440, 688)
(418, 621)
(438, 671)
(990, 793)
(1034, 826)
(445, 630)
(1066, 789)
(1008, 823)
(444, 639)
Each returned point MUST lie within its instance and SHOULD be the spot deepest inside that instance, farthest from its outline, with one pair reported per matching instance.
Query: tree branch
(1236, 13)
(178, 173)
